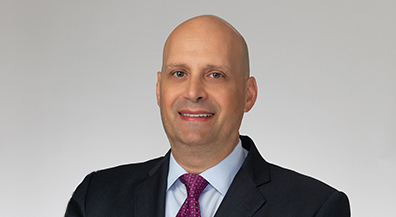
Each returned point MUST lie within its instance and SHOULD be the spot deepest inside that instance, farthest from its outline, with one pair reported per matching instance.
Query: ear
(158, 88)
(251, 93)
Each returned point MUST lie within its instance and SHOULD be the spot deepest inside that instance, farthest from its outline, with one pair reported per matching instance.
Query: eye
(216, 75)
(179, 74)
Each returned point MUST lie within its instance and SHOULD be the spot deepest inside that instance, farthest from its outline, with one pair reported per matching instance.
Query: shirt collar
(219, 176)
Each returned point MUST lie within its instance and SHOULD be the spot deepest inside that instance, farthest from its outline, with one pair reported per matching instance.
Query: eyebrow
(176, 65)
(207, 66)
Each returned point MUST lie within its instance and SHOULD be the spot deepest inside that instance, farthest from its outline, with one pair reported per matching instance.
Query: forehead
(183, 46)
(215, 48)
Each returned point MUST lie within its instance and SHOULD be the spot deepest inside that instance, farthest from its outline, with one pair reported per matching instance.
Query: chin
(195, 140)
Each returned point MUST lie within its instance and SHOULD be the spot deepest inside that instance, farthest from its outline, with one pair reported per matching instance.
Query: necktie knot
(195, 184)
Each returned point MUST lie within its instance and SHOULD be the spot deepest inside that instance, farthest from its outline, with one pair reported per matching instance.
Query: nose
(195, 90)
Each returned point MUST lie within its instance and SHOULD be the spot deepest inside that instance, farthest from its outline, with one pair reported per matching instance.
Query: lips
(195, 115)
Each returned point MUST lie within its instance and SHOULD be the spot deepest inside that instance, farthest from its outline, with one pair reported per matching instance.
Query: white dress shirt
(219, 177)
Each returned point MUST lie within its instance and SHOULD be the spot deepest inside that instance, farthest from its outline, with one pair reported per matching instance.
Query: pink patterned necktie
(195, 184)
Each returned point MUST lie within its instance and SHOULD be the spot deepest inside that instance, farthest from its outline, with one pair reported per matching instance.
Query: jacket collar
(149, 198)
(243, 197)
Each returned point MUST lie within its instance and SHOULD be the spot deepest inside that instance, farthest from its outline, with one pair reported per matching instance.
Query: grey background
(77, 92)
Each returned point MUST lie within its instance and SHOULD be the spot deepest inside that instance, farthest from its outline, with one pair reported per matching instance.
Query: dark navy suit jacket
(258, 189)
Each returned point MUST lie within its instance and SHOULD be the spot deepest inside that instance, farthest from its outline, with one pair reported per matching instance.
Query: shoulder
(296, 182)
(131, 173)
(104, 188)
(115, 176)
(303, 194)
(289, 193)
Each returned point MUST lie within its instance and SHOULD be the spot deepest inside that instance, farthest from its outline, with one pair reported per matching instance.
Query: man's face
(201, 90)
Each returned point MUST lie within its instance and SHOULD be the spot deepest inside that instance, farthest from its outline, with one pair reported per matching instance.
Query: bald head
(213, 30)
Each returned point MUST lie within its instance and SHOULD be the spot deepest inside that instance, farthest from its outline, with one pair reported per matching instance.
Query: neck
(198, 158)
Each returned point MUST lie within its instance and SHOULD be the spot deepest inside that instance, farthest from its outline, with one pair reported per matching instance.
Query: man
(203, 90)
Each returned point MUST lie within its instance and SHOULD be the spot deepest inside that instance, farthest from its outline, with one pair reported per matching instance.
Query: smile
(196, 115)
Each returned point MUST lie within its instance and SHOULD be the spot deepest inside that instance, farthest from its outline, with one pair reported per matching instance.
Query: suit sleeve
(76, 205)
(337, 205)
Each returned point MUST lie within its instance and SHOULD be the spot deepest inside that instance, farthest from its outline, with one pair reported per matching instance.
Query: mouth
(196, 115)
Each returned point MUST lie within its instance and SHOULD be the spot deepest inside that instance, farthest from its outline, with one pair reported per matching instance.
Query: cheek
(230, 100)
(168, 97)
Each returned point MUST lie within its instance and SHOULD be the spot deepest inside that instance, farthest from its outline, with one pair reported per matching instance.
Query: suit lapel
(149, 198)
(243, 198)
